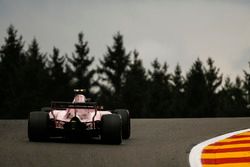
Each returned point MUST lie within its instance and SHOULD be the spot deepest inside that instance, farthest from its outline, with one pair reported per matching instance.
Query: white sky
(175, 31)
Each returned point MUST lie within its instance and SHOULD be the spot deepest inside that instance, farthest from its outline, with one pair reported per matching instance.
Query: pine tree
(81, 62)
(12, 50)
(177, 101)
(12, 74)
(247, 85)
(57, 64)
(59, 85)
(213, 81)
(213, 78)
(38, 76)
(240, 102)
(135, 88)
(160, 90)
(178, 80)
(225, 99)
(113, 69)
(195, 89)
(232, 102)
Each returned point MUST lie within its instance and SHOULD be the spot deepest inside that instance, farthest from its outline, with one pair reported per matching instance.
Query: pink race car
(79, 118)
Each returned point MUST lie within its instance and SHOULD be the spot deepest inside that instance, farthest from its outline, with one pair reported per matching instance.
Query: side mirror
(88, 99)
(100, 107)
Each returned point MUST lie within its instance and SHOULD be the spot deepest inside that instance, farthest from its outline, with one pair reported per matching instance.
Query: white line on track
(195, 154)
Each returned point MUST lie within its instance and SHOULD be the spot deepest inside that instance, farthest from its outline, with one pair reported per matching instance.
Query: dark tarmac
(154, 143)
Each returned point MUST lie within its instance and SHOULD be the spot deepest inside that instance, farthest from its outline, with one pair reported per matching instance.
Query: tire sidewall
(38, 126)
(126, 123)
(111, 130)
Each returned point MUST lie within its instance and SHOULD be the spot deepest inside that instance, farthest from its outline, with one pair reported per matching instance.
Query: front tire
(126, 127)
(111, 130)
(38, 126)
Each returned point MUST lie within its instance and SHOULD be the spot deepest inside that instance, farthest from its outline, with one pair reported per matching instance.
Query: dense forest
(30, 79)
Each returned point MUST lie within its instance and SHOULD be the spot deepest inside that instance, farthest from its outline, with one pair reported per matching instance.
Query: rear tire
(111, 130)
(38, 124)
(126, 127)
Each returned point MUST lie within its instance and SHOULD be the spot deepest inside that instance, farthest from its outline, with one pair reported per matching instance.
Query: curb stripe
(229, 165)
(239, 136)
(231, 142)
(236, 139)
(226, 150)
(242, 154)
(225, 160)
(227, 146)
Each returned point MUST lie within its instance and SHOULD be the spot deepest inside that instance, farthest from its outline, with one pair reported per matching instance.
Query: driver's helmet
(79, 99)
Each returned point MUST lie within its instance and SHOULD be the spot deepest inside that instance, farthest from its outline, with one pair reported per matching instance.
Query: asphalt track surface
(154, 142)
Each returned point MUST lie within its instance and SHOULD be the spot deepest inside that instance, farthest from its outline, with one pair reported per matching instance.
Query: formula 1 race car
(80, 118)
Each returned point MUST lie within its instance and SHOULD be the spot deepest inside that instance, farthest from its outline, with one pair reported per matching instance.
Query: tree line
(30, 79)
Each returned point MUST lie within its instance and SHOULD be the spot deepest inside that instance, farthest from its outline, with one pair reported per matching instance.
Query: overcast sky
(172, 31)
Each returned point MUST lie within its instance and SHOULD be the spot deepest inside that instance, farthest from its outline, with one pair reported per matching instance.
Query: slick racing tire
(126, 127)
(111, 130)
(38, 124)
(46, 109)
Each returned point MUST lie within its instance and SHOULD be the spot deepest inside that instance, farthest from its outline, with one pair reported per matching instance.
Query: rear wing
(60, 105)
